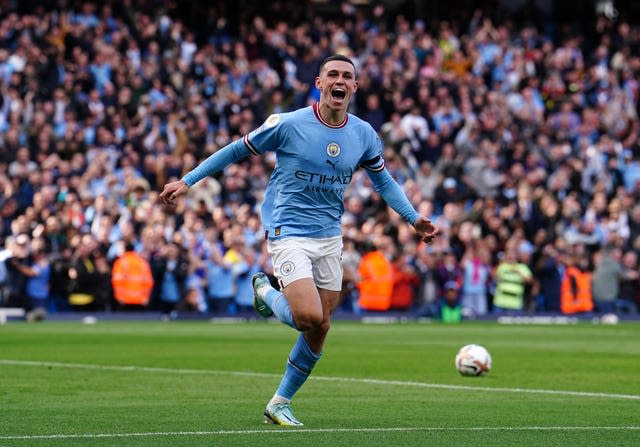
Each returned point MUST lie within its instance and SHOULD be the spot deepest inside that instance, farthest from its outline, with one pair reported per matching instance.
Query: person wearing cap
(449, 183)
(449, 191)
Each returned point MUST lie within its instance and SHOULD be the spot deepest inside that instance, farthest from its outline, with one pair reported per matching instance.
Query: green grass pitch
(197, 383)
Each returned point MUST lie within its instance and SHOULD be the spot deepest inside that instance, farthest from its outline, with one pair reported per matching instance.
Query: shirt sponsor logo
(323, 179)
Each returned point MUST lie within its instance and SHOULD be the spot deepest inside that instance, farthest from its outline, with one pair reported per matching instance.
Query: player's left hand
(172, 191)
(425, 229)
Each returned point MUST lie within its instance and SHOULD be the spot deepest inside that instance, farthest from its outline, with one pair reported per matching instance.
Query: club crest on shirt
(287, 268)
(333, 149)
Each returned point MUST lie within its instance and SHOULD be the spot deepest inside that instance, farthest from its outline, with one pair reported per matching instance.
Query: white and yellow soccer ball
(473, 360)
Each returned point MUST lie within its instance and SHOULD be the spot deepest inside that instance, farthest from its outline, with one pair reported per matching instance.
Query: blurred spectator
(38, 275)
(526, 253)
(59, 283)
(5, 254)
(220, 282)
(476, 266)
(405, 282)
(131, 279)
(548, 271)
(373, 113)
(630, 282)
(607, 278)
(248, 264)
(416, 129)
(16, 260)
(170, 270)
(427, 180)
(195, 296)
(426, 302)
(449, 268)
(393, 134)
(511, 279)
(86, 286)
(538, 131)
(375, 284)
(576, 294)
(351, 258)
(450, 309)
(22, 166)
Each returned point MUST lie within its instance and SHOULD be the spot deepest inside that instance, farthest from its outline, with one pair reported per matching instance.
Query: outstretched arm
(397, 199)
(215, 162)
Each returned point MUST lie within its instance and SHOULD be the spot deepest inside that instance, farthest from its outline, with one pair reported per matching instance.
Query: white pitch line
(482, 388)
(133, 368)
(310, 430)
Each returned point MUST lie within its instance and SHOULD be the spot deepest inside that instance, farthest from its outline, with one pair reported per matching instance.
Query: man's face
(337, 83)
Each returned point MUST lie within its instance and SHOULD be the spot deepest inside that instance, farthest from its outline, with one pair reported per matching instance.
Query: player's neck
(331, 116)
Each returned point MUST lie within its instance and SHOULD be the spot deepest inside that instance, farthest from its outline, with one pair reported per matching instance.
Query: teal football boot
(258, 280)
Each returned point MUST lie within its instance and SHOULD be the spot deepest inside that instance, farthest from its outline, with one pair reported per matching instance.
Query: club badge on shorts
(287, 268)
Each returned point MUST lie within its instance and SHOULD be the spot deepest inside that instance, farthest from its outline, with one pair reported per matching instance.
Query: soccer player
(317, 150)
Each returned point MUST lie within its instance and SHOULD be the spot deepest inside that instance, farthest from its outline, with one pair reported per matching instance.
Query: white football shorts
(295, 258)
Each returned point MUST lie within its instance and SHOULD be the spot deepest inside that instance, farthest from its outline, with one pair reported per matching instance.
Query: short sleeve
(266, 137)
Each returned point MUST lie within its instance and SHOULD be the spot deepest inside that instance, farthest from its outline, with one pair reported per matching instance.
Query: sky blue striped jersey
(315, 162)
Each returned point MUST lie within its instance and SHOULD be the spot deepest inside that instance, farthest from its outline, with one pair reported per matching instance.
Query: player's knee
(309, 321)
(324, 327)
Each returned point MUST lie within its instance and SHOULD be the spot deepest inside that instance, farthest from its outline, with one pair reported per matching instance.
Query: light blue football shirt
(315, 162)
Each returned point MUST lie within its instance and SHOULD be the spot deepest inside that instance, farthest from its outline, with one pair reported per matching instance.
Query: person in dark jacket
(548, 271)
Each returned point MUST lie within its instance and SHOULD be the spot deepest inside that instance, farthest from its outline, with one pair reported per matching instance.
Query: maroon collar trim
(316, 112)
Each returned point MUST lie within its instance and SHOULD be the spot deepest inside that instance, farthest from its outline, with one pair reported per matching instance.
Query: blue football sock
(280, 306)
(299, 365)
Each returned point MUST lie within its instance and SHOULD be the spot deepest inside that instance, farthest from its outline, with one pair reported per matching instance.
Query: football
(473, 360)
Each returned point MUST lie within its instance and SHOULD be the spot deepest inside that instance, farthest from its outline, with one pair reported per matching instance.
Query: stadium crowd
(524, 148)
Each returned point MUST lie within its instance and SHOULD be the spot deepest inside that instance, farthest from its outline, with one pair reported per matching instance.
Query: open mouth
(338, 93)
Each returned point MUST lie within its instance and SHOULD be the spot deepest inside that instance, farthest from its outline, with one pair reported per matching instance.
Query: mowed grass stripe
(290, 431)
(144, 369)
